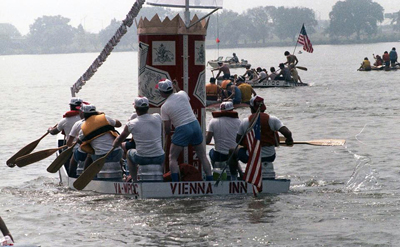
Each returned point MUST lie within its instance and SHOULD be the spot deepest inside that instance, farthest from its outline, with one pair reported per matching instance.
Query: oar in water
(60, 160)
(25, 150)
(35, 157)
(324, 142)
(89, 173)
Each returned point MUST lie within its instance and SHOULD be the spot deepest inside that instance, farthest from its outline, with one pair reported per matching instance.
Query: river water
(339, 196)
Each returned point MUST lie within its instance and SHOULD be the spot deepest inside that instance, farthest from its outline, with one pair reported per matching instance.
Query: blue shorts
(115, 156)
(136, 159)
(217, 156)
(188, 134)
(243, 157)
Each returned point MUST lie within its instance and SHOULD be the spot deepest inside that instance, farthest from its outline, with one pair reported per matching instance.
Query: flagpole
(297, 40)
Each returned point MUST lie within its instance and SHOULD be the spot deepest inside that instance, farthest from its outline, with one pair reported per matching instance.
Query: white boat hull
(276, 83)
(145, 190)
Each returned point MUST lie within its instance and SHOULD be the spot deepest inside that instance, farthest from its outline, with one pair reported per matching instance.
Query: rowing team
(234, 89)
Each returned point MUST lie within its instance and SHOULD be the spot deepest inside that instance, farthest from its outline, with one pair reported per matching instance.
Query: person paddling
(270, 125)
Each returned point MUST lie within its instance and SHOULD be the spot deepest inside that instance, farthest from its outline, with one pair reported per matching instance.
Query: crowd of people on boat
(387, 61)
(287, 71)
(92, 133)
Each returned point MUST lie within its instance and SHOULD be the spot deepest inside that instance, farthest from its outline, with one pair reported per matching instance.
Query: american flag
(303, 40)
(253, 169)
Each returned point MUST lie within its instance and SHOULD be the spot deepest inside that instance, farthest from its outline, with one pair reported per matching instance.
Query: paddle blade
(35, 157)
(301, 67)
(89, 173)
(324, 142)
(60, 160)
(24, 151)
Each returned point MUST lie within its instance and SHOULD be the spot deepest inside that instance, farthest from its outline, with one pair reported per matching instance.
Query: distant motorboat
(228, 61)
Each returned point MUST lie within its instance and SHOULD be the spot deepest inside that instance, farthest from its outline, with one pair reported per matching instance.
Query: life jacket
(268, 137)
(245, 90)
(94, 127)
(232, 114)
(224, 83)
(71, 113)
(212, 91)
(366, 64)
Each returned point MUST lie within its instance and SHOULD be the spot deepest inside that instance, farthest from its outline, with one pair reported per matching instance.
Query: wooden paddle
(35, 157)
(89, 173)
(324, 142)
(301, 67)
(60, 160)
(25, 150)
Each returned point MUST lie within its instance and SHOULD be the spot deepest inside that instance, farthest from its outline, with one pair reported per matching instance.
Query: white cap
(141, 102)
(226, 106)
(75, 101)
(88, 108)
(165, 85)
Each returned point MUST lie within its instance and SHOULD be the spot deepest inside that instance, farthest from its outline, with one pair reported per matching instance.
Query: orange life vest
(212, 91)
(94, 127)
(224, 83)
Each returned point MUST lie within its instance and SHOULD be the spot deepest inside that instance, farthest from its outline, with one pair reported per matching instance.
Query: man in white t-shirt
(223, 127)
(69, 118)
(270, 125)
(146, 130)
(177, 111)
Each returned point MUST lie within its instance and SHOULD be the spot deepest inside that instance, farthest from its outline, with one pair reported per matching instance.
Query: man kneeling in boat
(98, 134)
(270, 125)
(223, 127)
(146, 130)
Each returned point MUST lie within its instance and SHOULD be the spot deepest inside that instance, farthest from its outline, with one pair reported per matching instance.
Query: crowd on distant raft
(93, 133)
(387, 60)
(238, 87)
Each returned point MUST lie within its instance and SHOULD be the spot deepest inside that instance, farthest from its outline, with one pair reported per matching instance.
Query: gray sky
(96, 14)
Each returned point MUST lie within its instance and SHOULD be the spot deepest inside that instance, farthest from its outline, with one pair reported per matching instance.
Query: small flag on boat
(253, 173)
(305, 41)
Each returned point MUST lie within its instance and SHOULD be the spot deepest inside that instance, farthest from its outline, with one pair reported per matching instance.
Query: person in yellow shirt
(246, 90)
(365, 65)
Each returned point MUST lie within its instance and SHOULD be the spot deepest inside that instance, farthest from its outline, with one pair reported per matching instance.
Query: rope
(108, 48)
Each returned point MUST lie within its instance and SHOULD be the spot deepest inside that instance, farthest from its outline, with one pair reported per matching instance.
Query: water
(339, 196)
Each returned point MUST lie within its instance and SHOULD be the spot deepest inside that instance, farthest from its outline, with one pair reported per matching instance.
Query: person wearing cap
(223, 127)
(8, 239)
(146, 130)
(234, 93)
(69, 118)
(213, 92)
(270, 125)
(223, 68)
(98, 133)
(246, 90)
(284, 75)
(178, 112)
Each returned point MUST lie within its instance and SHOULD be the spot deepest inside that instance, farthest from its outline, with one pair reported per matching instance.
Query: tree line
(350, 21)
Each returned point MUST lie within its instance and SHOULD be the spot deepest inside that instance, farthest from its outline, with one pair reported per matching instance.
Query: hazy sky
(96, 14)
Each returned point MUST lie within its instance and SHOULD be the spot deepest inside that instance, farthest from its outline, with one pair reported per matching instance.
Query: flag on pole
(303, 40)
(253, 173)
